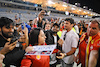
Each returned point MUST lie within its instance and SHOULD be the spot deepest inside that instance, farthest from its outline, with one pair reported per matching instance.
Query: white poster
(42, 50)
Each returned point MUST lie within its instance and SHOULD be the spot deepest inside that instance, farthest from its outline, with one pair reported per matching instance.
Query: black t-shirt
(13, 57)
(39, 24)
(2, 41)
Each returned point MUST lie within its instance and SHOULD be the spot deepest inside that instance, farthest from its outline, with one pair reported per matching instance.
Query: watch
(65, 54)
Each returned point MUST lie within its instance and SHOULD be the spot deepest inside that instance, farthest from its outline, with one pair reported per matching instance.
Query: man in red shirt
(88, 46)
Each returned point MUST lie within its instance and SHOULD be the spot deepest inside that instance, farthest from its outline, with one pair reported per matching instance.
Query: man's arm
(69, 53)
(72, 51)
(23, 37)
(93, 58)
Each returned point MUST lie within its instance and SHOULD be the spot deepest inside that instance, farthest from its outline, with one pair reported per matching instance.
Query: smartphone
(44, 13)
(15, 38)
(47, 13)
(23, 26)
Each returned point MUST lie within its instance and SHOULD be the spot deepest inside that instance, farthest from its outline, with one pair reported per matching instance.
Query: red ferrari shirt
(87, 44)
(35, 61)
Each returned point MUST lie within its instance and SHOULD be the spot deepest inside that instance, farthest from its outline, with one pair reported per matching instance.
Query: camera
(15, 37)
(47, 13)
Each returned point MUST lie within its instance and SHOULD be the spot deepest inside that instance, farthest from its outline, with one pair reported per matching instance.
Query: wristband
(23, 44)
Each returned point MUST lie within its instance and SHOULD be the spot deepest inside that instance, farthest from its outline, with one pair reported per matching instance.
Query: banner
(42, 50)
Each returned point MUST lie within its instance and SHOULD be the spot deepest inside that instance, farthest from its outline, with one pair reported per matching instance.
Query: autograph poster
(42, 50)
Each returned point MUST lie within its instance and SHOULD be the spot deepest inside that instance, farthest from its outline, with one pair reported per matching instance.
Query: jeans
(66, 65)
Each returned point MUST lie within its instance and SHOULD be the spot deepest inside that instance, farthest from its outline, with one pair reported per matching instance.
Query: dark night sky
(93, 4)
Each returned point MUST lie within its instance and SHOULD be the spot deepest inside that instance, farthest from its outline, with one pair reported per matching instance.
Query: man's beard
(5, 35)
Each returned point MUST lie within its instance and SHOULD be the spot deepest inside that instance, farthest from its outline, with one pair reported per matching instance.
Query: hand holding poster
(42, 50)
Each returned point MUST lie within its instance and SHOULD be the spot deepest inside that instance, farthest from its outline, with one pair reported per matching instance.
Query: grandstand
(30, 11)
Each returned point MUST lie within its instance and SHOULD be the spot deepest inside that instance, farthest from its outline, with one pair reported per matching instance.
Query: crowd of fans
(17, 38)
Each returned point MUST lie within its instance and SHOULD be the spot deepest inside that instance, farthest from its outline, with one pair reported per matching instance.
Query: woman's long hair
(33, 37)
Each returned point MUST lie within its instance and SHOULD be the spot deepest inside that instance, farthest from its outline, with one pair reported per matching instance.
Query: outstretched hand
(41, 14)
(29, 48)
(62, 56)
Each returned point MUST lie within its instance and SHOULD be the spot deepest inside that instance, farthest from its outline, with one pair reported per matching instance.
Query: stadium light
(73, 8)
(67, 13)
(50, 2)
(64, 5)
(80, 10)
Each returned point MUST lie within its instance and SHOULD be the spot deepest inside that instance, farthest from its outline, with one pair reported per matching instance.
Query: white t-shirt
(71, 40)
(55, 39)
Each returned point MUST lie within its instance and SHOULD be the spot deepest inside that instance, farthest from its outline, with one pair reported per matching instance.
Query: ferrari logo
(38, 57)
(92, 41)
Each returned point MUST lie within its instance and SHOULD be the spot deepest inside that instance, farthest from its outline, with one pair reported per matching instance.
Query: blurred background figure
(47, 26)
(30, 22)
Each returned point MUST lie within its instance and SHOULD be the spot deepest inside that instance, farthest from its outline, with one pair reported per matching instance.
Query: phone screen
(23, 26)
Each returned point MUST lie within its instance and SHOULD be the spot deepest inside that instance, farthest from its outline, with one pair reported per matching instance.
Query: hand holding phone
(15, 38)
(23, 26)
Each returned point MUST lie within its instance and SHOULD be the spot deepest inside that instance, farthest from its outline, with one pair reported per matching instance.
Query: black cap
(55, 24)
